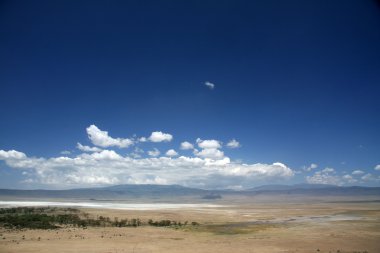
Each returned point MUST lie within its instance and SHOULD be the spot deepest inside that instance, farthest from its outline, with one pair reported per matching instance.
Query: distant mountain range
(126, 192)
(316, 189)
(281, 187)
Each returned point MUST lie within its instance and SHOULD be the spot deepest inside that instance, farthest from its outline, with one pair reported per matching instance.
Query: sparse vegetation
(53, 218)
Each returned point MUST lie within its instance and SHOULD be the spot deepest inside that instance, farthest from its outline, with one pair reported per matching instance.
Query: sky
(209, 94)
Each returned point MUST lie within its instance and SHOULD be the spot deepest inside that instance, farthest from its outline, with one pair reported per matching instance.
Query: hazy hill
(126, 192)
(280, 187)
(316, 190)
(111, 192)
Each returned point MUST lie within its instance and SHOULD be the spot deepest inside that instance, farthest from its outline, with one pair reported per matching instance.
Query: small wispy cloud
(349, 179)
(233, 144)
(87, 148)
(311, 167)
(154, 153)
(325, 176)
(210, 85)
(368, 177)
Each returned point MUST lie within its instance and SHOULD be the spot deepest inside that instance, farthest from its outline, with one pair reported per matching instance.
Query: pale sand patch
(108, 205)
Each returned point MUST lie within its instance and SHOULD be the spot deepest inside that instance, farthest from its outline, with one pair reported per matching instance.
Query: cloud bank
(108, 167)
(207, 168)
(331, 177)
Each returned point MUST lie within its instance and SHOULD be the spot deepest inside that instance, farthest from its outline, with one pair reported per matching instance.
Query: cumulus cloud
(212, 153)
(206, 144)
(155, 152)
(377, 167)
(87, 148)
(186, 145)
(171, 152)
(65, 152)
(108, 167)
(233, 144)
(102, 139)
(160, 137)
(209, 149)
(210, 85)
(357, 172)
(11, 154)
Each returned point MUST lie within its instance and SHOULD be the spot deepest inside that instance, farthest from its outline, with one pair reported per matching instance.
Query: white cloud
(328, 170)
(311, 167)
(319, 178)
(210, 85)
(212, 144)
(221, 162)
(11, 154)
(87, 148)
(212, 153)
(325, 176)
(186, 145)
(102, 139)
(357, 172)
(350, 179)
(209, 149)
(105, 155)
(155, 152)
(137, 152)
(171, 152)
(143, 139)
(65, 152)
(368, 177)
(377, 167)
(160, 137)
(108, 167)
(257, 170)
(233, 144)
(135, 155)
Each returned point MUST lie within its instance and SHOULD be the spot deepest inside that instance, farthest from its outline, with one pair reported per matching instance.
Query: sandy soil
(244, 227)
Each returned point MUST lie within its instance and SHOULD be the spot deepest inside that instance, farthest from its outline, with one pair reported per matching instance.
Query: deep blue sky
(296, 82)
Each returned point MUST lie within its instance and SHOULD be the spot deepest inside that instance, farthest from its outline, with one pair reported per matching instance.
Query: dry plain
(274, 224)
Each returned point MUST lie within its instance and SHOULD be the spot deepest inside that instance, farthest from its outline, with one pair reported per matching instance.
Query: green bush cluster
(170, 223)
(51, 218)
(34, 221)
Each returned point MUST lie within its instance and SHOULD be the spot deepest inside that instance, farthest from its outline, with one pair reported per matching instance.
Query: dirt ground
(248, 226)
